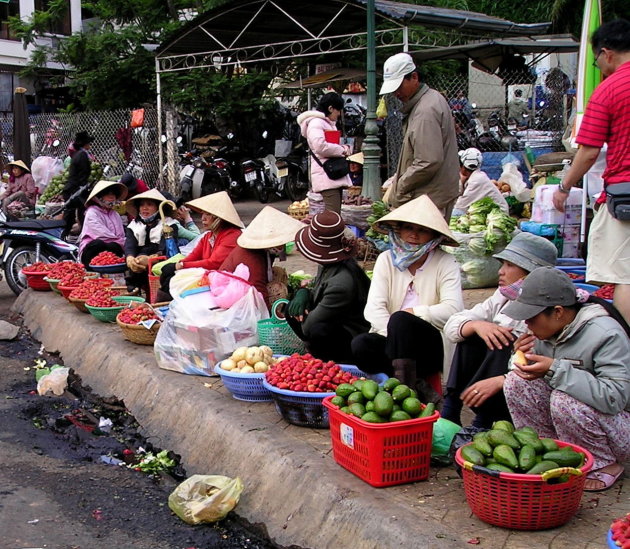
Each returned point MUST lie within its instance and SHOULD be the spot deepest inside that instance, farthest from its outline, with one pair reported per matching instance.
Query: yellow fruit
(253, 355)
(228, 364)
(247, 370)
(261, 367)
(241, 364)
(239, 354)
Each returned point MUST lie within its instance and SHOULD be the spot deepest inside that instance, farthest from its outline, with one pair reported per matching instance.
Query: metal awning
(324, 78)
(255, 31)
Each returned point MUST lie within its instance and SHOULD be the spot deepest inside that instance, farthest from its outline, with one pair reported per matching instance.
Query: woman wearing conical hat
(144, 236)
(415, 289)
(21, 186)
(102, 227)
(260, 244)
(223, 227)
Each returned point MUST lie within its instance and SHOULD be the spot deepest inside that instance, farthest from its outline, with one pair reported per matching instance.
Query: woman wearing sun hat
(102, 227)
(484, 336)
(330, 314)
(21, 186)
(575, 385)
(416, 287)
(144, 235)
(260, 244)
(222, 226)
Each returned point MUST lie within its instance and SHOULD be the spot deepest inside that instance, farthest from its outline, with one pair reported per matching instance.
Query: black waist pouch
(618, 200)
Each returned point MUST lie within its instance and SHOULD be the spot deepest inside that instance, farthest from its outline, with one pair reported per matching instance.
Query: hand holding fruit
(538, 367)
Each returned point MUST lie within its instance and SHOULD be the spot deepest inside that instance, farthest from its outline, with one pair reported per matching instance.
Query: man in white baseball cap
(428, 162)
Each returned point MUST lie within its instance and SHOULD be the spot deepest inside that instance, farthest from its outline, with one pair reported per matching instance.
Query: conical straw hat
(117, 188)
(270, 228)
(20, 164)
(219, 205)
(421, 211)
(151, 194)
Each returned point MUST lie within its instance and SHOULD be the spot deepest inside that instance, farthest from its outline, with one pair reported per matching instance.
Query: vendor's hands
(525, 343)
(297, 306)
(183, 214)
(494, 336)
(480, 391)
(538, 368)
(559, 199)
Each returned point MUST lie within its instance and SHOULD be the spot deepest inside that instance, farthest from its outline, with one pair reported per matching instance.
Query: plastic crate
(524, 502)
(307, 409)
(382, 454)
(246, 387)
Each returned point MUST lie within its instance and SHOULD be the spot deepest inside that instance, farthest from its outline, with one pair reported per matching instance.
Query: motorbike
(200, 177)
(26, 242)
(297, 183)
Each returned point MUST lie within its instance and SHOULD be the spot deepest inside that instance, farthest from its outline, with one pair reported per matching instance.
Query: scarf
(149, 223)
(405, 254)
(512, 291)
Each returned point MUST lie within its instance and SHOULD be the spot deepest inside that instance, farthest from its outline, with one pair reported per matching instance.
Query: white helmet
(470, 158)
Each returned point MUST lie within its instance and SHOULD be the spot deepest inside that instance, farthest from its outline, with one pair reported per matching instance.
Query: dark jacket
(78, 174)
(339, 296)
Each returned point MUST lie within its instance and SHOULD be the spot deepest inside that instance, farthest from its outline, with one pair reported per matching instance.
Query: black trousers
(168, 272)
(408, 337)
(97, 246)
(472, 362)
(326, 341)
(74, 213)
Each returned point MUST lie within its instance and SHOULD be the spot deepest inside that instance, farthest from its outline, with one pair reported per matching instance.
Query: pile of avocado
(393, 401)
(511, 450)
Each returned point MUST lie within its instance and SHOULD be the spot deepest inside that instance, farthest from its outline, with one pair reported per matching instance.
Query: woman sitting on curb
(222, 227)
(484, 336)
(144, 235)
(102, 227)
(331, 314)
(21, 187)
(416, 288)
(575, 386)
(260, 244)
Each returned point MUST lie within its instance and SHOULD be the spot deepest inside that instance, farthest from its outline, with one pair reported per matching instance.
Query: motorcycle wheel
(236, 192)
(293, 188)
(17, 259)
(262, 193)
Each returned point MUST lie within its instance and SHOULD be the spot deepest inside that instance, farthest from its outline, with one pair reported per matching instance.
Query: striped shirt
(607, 120)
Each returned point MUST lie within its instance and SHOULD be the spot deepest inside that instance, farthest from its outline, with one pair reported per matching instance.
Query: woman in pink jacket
(314, 124)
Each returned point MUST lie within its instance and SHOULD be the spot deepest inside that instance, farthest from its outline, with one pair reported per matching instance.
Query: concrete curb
(293, 487)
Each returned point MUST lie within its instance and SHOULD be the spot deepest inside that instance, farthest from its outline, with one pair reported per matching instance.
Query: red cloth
(141, 187)
(211, 256)
(256, 261)
(607, 120)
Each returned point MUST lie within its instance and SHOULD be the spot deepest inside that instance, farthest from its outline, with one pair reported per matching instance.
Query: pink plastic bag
(227, 288)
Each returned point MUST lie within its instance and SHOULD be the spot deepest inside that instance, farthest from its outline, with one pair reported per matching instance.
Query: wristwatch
(549, 373)
(562, 189)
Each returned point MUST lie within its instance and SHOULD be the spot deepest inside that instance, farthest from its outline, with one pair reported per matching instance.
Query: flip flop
(607, 479)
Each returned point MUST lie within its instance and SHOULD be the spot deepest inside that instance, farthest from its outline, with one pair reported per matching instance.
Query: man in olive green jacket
(428, 162)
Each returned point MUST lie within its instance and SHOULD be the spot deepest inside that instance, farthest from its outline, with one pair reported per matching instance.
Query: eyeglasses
(596, 58)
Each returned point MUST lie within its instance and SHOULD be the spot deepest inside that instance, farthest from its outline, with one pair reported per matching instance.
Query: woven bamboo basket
(298, 213)
(79, 304)
(139, 334)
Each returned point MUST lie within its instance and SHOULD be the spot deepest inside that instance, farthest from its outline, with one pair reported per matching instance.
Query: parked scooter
(26, 242)
(200, 178)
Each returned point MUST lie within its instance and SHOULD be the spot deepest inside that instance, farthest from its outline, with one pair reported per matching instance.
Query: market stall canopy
(489, 55)
(255, 31)
(325, 78)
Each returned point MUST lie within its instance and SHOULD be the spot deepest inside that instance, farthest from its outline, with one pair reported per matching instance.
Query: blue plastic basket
(580, 271)
(108, 269)
(307, 409)
(590, 288)
(246, 387)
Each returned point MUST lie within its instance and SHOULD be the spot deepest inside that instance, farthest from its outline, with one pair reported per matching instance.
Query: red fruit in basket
(305, 373)
(63, 268)
(107, 258)
(38, 267)
(605, 292)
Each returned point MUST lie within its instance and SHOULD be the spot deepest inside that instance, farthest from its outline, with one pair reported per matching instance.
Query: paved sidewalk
(293, 488)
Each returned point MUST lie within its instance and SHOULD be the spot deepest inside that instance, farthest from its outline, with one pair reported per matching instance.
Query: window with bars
(8, 9)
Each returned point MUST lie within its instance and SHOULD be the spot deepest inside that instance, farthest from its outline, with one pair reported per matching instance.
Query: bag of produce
(205, 498)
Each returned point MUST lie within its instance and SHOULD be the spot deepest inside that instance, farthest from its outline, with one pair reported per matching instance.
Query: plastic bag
(205, 498)
(137, 118)
(381, 110)
(186, 279)
(157, 267)
(43, 169)
(464, 436)
(55, 382)
(478, 269)
(514, 178)
(196, 334)
(443, 433)
(227, 288)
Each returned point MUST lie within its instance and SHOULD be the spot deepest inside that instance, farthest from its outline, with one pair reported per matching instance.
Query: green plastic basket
(54, 282)
(109, 314)
(276, 333)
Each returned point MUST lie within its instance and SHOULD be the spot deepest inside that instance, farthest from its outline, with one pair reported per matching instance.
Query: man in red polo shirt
(607, 120)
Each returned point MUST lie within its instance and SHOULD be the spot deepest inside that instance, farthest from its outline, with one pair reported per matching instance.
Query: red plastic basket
(524, 502)
(154, 281)
(36, 281)
(381, 454)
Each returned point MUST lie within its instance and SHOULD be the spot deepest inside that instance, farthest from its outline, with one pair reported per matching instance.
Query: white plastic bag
(196, 335)
(513, 177)
(185, 279)
(43, 169)
(54, 382)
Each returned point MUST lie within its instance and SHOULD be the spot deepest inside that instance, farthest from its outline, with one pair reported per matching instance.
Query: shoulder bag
(335, 168)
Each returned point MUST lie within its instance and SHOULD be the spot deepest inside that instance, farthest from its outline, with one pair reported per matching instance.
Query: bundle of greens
(485, 216)
(379, 209)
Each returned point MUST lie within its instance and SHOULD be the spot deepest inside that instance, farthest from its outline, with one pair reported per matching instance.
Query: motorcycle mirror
(163, 138)
(230, 135)
(179, 139)
(265, 134)
(541, 104)
(473, 105)
(56, 143)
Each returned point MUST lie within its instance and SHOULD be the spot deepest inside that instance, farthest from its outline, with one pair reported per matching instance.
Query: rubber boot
(427, 394)
(405, 371)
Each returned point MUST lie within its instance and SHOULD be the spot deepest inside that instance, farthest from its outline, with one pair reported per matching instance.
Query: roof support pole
(158, 88)
(405, 38)
(370, 148)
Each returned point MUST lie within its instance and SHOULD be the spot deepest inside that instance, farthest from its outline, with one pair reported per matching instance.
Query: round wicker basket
(298, 213)
(79, 304)
(139, 334)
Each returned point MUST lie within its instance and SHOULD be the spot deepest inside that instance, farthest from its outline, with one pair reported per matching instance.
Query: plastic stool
(435, 380)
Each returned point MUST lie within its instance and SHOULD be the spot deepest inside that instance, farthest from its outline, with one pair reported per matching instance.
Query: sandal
(607, 479)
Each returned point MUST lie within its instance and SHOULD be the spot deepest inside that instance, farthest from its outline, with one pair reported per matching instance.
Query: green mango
(383, 404)
(542, 467)
(505, 455)
(504, 425)
(499, 436)
(549, 444)
(526, 458)
(369, 389)
(564, 458)
(471, 454)
(429, 410)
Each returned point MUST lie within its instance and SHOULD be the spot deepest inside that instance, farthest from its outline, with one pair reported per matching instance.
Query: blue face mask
(150, 219)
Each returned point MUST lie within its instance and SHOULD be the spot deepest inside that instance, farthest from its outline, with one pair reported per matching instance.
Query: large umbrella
(21, 128)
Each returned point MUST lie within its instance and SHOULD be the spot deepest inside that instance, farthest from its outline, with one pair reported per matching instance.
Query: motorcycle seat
(36, 224)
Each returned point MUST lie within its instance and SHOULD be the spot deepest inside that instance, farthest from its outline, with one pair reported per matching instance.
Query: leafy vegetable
(152, 463)
(379, 209)
(483, 206)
